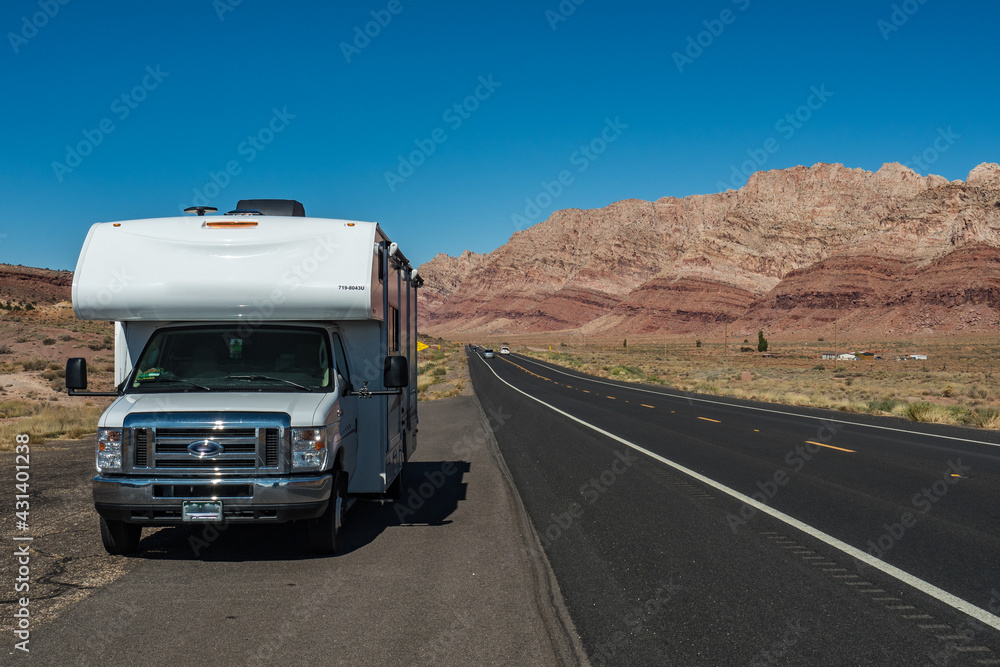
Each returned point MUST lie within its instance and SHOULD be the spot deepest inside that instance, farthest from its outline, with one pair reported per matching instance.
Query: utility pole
(836, 328)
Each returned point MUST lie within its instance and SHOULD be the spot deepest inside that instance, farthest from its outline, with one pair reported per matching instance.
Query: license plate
(210, 510)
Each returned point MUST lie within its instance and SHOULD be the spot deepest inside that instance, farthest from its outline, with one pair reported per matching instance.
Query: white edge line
(930, 589)
(751, 407)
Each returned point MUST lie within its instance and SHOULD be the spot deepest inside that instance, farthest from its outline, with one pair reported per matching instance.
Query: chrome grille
(213, 463)
(272, 443)
(205, 433)
(141, 448)
(249, 442)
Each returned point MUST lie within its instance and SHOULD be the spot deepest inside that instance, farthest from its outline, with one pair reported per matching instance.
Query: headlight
(109, 450)
(309, 450)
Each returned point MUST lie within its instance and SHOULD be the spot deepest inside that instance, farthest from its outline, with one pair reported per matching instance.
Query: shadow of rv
(430, 494)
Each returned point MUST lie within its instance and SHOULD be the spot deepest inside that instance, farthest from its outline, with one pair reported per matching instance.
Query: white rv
(265, 365)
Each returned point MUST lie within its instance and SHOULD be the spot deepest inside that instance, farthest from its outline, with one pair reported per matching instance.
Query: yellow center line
(710, 420)
(839, 449)
(611, 397)
(647, 406)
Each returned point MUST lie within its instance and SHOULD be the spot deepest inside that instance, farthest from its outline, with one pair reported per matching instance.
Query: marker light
(231, 223)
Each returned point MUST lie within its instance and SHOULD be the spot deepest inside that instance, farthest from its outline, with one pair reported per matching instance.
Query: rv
(265, 368)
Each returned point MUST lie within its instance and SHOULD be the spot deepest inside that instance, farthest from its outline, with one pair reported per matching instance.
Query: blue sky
(453, 124)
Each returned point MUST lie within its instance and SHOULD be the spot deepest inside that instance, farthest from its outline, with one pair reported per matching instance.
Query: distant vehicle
(487, 354)
(504, 349)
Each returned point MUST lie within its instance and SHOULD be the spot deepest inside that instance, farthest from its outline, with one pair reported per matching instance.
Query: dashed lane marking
(690, 398)
(820, 444)
(925, 587)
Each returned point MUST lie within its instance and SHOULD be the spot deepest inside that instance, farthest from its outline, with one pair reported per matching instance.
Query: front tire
(325, 532)
(120, 538)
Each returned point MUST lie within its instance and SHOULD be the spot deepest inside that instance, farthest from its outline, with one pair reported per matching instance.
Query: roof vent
(272, 207)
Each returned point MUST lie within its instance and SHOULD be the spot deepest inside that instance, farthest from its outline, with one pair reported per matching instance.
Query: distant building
(829, 355)
(917, 357)
(847, 356)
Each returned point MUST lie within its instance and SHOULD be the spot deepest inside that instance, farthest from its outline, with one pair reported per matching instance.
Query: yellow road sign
(422, 346)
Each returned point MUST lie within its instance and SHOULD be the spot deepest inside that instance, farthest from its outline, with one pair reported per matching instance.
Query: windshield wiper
(163, 379)
(268, 377)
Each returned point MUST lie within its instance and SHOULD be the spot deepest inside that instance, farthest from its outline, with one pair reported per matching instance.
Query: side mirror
(396, 372)
(76, 374)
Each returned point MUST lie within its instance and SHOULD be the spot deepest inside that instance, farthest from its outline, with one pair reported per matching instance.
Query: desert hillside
(883, 253)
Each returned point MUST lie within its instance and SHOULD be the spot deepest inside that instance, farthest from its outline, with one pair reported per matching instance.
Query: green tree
(761, 342)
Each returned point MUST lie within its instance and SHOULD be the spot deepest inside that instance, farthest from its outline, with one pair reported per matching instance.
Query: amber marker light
(231, 223)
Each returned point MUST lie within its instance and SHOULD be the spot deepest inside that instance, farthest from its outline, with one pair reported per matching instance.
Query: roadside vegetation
(43, 420)
(442, 370)
(959, 382)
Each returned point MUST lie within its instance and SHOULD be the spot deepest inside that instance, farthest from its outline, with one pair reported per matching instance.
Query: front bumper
(158, 500)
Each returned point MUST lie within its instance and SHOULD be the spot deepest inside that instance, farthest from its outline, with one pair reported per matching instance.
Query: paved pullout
(451, 575)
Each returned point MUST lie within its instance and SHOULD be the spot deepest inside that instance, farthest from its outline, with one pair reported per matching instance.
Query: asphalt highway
(698, 530)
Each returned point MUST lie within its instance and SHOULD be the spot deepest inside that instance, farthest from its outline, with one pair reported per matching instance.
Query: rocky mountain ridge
(882, 252)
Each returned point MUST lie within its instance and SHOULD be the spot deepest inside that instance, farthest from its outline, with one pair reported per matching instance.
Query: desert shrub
(819, 367)
(948, 391)
(34, 364)
(48, 341)
(16, 408)
(108, 342)
(985, 418)
(976, 391)
(883, 405)
(5, 349)
(65, 338)
(919, 412)
(626, 370)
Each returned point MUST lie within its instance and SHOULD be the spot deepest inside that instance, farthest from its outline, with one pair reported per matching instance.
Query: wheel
(119, 537)
(325, 532)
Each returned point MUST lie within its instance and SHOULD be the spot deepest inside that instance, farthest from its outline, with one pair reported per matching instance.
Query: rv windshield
(265, 358)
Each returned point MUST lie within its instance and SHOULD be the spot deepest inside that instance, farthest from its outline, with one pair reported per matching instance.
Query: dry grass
(40, 420)
(442, 371)
(957, 384)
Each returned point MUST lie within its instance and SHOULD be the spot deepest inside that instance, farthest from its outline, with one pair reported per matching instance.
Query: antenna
(200, 210)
